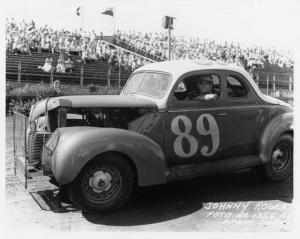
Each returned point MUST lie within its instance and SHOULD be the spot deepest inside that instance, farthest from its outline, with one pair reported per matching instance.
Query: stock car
(100, 147)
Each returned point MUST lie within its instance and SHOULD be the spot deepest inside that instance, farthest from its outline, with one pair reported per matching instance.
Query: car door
(243, 116)
(195, 130)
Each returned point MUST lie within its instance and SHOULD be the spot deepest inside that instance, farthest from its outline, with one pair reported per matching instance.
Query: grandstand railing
(155, 57)
(269, 83)
(131, 52)
(80, 78)
(273, 81)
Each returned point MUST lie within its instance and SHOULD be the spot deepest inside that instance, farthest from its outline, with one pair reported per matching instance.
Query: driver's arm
(206, 97)
(210, 96)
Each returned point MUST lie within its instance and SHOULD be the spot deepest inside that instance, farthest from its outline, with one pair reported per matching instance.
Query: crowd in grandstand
(23, 37)
(195, 48)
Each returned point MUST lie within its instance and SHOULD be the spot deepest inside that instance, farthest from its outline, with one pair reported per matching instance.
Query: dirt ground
(230, 202)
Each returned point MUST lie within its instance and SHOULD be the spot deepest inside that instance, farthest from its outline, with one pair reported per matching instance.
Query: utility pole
(168, 24)
(169, 43)
(114, 16)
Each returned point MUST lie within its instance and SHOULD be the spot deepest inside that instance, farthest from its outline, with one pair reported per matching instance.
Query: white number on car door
(211, 129)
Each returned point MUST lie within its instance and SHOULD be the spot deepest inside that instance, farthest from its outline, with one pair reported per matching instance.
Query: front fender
(78, 145)
(277, 126)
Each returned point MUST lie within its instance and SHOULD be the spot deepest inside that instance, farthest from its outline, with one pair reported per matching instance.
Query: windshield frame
(149, 71)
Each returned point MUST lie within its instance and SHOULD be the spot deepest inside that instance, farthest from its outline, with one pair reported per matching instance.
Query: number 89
(212, 130)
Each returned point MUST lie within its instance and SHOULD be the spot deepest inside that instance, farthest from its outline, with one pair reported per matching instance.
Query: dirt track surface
(229, 202)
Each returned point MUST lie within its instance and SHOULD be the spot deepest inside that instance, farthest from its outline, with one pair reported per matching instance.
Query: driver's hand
(210, 97)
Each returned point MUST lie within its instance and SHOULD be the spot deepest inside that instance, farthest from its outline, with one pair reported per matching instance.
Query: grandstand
(271, 69)
(92, 72)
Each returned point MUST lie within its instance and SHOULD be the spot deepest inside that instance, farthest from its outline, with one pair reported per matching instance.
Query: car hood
(75, 101)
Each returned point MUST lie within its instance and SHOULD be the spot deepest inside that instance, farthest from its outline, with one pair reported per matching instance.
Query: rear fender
(77, 146)
(279, 125)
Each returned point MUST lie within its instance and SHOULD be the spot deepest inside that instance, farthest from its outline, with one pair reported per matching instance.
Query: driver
(204, 89)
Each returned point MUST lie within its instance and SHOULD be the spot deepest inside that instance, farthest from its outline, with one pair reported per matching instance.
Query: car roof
(180, 67)
(177, 68)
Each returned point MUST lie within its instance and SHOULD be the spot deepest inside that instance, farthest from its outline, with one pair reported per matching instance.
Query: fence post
(81, 74)
(19, 72)
(25, 156)
(257, 80)
(51, 76)
(290, 83)
(268, 84)
(274, 83)
(14, 141)
(108, 75)
(119, 74)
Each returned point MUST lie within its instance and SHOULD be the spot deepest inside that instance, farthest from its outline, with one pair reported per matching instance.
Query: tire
(258, 173)
(103, 185)
(280, 166)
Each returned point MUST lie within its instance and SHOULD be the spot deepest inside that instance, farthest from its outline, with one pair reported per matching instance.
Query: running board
(179, 172)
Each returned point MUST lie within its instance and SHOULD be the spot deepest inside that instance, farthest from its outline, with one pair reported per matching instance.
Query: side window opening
(74, 117)
(204, 87)
(41, 123)
(235, 87)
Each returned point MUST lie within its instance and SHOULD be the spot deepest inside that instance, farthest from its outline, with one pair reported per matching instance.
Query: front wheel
(280, 166)
(102, 185)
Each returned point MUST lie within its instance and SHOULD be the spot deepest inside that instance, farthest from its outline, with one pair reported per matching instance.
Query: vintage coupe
(100, 147)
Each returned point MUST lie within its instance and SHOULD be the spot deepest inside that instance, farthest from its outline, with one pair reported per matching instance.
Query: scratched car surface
(100, 147)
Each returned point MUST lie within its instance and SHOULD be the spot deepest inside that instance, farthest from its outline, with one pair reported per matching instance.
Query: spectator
(69, 65)
(61, 68)
(25, 48)
(112, 59)
(57, 86)
(84, 54)
(45, 46)
(47, 66)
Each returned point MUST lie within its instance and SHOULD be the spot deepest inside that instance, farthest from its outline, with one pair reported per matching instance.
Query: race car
(173, 120)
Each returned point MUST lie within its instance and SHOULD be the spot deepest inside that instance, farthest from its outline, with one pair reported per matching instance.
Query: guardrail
(80, 78)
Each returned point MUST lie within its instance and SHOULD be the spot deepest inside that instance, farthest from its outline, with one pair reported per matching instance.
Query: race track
(229, 202)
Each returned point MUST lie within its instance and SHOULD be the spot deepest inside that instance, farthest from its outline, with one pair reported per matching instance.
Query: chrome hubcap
(101, 184)
(280, 157)
(100, 181)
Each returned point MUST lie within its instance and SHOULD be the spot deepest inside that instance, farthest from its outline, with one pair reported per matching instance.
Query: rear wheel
(280, 166)
(103, 185)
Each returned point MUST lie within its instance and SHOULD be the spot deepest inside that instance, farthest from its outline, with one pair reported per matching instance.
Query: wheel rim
(102, 184)
(281, 156)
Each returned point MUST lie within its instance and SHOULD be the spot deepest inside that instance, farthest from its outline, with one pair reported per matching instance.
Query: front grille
(35, 146)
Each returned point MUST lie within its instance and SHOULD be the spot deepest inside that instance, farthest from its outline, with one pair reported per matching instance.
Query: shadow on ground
(170, 201)
(166, 202)
(53, 200)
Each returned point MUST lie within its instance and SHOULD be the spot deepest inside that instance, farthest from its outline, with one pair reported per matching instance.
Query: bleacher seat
(93, 72)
